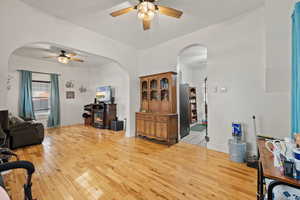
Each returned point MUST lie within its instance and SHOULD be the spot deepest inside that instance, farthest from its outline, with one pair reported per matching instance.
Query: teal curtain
(296, 70)
(25, 101)
(54, 117)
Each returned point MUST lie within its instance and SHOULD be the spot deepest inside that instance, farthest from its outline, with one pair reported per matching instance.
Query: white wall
(91, 77)
(112, 75)
(278, 34)
(236, 60)
(21, 25)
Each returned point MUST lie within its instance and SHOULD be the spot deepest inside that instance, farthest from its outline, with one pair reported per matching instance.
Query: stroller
(5, 165)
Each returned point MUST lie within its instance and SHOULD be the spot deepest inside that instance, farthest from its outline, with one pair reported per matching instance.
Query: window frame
(40, 81)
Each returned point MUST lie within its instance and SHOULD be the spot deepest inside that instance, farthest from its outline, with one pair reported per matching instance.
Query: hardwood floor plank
(79, 162)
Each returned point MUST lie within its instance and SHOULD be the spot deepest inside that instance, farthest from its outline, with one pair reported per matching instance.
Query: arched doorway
(86, 73)
(192, 70)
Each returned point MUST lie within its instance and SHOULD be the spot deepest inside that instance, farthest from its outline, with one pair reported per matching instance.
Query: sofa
(24, 132)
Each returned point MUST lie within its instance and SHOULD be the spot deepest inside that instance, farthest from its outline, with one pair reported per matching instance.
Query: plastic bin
(237, 151)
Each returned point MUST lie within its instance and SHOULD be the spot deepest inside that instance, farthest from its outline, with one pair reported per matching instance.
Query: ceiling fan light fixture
(141, 15)
(63, 59)
(146, 10)
(150, 15)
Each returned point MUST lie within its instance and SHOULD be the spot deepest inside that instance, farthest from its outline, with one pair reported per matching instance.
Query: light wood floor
(81, 163)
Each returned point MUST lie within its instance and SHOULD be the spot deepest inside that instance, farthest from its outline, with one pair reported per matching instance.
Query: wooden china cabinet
(158, 117)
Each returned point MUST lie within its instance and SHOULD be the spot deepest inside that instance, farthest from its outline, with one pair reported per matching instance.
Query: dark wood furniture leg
(260, 182)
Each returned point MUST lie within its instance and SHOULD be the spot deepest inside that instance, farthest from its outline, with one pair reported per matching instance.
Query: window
(40, 97)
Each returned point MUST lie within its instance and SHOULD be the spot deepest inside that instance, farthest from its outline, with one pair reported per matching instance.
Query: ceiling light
(141, 15)
(63, 59)
(146, 10)
(150, 15)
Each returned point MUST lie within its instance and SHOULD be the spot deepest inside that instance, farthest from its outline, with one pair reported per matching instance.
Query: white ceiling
(94, 15)
(194, 57)
(41, 50)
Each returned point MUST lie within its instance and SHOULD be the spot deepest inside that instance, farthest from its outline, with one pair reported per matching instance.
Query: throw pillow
(19, 120)
(15, 120)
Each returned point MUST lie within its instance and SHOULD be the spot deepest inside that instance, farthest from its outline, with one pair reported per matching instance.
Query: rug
(198, 127)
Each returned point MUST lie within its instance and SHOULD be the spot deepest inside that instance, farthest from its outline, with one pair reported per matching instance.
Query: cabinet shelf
(193, 105)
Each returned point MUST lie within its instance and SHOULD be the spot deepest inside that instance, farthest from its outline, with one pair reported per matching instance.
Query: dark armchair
(24, 133)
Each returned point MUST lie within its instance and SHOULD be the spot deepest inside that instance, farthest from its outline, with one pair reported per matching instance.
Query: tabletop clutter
(286, 154)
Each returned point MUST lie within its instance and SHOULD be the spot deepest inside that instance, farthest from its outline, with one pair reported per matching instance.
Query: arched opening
(193, 110)
(79, 77)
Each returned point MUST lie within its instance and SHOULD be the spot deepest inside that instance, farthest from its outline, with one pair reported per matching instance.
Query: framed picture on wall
(70, 94)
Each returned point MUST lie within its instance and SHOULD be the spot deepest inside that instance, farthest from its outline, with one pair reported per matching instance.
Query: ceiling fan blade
(71, 54)
(121, 12)
(171, 12)
(76, 59)
(146, 24)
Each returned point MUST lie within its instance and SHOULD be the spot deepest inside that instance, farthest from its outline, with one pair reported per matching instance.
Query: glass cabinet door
(145, 95)
(164, 95)
(153, 90)
(164, 89)
(144, 85)
(164, 83)
(153, 95)
(153, 84)
(144, 90)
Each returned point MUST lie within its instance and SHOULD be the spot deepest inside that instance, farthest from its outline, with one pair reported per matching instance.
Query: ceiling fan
(146, 10)
(65, 57)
